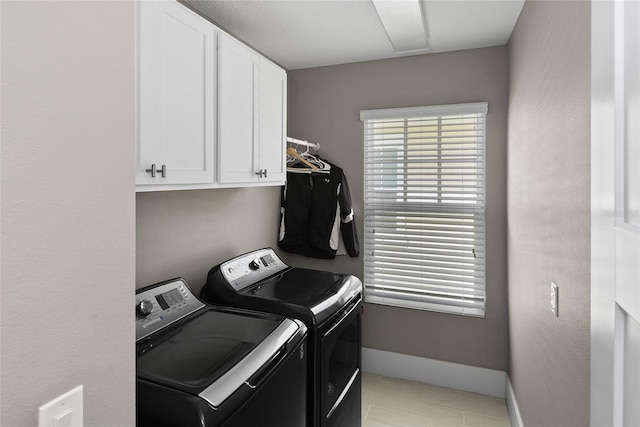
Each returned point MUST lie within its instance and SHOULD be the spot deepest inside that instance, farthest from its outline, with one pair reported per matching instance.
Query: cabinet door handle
(262, 173)
(154, 170)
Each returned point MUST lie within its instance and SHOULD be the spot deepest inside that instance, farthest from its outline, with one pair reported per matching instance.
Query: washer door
(200, 350)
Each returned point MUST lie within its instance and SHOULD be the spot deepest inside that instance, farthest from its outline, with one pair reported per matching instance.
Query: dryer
(330, 304)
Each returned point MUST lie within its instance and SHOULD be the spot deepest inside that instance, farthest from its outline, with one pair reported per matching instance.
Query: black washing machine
(201, 365)
(329, 304)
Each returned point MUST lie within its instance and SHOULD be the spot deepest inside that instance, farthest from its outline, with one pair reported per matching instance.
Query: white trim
(512, 405)
(603, 213)
(444, 374)
(428, 111)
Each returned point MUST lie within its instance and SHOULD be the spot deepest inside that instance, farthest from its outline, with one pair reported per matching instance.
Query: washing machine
(203, 365)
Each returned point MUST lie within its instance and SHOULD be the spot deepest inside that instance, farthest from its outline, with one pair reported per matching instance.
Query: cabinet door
(238, 121)
(273, 122)
(176, 54)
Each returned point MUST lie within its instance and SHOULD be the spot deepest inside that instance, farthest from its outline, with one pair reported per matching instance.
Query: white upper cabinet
(211, 111)
(273, 121)
(176, 54)
(238, 80)
(252, 116)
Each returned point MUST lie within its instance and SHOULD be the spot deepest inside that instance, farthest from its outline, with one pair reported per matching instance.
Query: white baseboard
(444, 374)
(512, 405)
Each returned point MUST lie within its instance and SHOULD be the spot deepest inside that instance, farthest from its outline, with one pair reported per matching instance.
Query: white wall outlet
(63, 411)
(554, 299)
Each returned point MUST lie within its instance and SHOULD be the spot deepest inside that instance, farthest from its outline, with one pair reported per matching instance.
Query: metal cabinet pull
(262, 173)
(154, 170)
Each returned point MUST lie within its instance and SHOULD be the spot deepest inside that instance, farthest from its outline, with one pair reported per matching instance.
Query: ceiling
(312, 33)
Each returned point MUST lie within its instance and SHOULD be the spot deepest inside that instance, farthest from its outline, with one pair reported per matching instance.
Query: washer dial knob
(144, 308)
(254, 265)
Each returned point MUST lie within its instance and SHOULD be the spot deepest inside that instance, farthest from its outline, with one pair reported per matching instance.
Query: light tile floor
(395, 402)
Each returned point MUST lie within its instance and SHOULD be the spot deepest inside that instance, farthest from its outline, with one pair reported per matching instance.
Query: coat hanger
(321, 164)
(292, 152)
(313, 164)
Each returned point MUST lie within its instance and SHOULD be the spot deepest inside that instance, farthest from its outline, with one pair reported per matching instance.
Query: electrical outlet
(554, 299)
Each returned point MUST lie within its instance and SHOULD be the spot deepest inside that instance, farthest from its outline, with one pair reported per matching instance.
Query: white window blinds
(425, 207)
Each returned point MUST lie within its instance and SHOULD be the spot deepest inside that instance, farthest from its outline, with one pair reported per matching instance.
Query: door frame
(607, 402)
(602, 212)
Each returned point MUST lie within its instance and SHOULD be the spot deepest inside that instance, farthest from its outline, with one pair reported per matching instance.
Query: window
(425, 207)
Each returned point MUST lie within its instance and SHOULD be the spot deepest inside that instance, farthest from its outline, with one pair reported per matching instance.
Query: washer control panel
(160, 305)
(248, 269)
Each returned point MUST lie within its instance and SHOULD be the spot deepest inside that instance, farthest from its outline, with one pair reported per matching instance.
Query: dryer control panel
(249, 269)
(162, 304)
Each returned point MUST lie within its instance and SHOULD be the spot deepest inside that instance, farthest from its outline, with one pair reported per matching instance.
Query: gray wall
(548, 208)
(68, 221)
(185, 233)
(324, 106)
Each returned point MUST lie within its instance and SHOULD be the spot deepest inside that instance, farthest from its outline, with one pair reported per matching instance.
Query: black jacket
(315, 209)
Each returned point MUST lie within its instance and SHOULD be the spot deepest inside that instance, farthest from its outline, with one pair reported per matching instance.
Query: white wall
(67, 209)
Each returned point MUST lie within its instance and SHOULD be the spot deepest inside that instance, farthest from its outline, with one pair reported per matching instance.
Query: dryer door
(340, 368)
